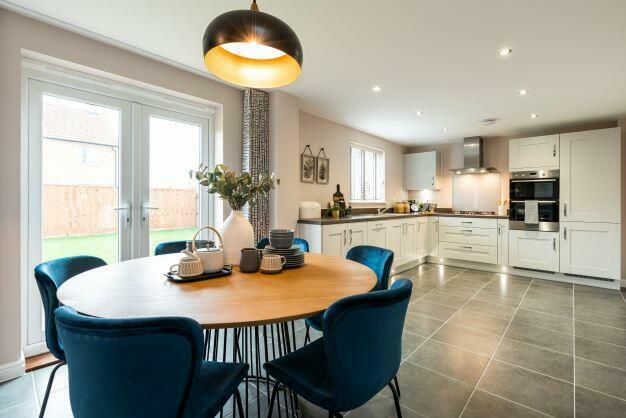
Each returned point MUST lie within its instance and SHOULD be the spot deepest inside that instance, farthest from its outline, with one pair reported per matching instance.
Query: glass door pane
(80, 179)
(176, 144)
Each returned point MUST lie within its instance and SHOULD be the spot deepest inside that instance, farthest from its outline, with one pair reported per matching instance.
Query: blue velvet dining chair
(170, 247)
(358, 355)
(376, 258)
(301, 242)
(50, 276)
(146, 367)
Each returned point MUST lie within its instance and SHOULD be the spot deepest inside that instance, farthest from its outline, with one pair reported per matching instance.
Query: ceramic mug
(187, 267)
(272, 262)
(250, 260)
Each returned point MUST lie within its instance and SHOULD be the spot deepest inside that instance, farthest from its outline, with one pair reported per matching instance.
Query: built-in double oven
(530, 188)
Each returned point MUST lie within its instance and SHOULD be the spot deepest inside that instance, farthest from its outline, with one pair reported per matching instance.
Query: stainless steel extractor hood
(473, 158)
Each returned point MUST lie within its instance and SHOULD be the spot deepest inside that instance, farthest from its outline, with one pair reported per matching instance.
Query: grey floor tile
(59, 405)
(551, 308)
(418, 293)
(381, 407)
(496, 297)
(486, 405)
(601, 378)
(489, 308)
(431, 394)
(420, 324)
(410, 342)
(600, 332)
(480, 322)
(543, 393)
(610, 354)
(17, 391)
(435, 310)
(541, 337)
(591, 404)
(542, 297)
(446, 299)
(553, 286)
(41, 379)
(544, 320)
(21, 410)
(481, 277)
(600, 318)
(450, 361)
(455, 288)
(475, 341)
(560, 366)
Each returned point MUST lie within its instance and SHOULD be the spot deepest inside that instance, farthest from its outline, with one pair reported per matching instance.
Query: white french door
(108, 177)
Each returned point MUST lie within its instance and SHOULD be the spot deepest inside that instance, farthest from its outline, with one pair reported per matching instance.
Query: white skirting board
(12, 370)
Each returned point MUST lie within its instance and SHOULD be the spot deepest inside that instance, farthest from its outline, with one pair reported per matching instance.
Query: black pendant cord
(254, 7)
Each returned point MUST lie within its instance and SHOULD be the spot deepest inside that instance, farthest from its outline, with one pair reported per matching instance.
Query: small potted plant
(238, 189)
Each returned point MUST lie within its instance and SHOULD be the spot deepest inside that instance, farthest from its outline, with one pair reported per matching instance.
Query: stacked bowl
(281, 238)
(281, 243)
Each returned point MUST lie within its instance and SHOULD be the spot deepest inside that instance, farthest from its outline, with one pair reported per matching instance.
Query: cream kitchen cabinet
(377, 234)
(469, 239)
(402, 239)
(422, 171)
(541, 152)
(433, 232)
(590, 176)
(590, 249)
(503, 242)
(535, 250)
(422, 238)
(337, 239)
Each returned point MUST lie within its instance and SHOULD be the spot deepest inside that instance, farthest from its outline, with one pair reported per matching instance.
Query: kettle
(212, 258)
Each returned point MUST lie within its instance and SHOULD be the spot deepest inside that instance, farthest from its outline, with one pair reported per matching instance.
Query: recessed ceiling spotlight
(523, 92)
(533, 115)
(418, 113)
(505, 52)
(445, 129)
(376, 89)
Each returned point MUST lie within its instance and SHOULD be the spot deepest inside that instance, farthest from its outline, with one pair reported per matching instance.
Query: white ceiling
(440, 57)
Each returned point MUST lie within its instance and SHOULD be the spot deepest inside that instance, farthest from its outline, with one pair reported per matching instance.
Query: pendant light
(252, 49)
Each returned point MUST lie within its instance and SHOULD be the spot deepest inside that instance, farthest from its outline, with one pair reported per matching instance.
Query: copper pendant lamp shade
(252, 49)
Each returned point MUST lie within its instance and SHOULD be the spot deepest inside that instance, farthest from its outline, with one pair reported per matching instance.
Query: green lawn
(104, 246)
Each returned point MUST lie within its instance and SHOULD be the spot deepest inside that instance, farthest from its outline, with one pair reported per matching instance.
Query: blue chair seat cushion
(216, 384)
(315, 322)
(307, 372)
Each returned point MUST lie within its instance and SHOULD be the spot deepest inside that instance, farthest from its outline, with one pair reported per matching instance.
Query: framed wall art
(307, 166)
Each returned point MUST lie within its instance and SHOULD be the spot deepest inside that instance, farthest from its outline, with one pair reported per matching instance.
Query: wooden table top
(138, 288)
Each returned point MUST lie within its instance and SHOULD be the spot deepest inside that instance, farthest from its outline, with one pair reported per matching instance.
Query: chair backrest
(378, 259)
(50, 276)
(304, 245)
(363, 340)
(170, 247)
(143, 367)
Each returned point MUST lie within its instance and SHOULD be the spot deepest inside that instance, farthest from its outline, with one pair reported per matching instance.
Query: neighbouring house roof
(66, 123)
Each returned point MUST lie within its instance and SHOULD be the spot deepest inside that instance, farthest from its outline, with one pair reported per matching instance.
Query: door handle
(344, 238)
(499, 229)
(466, 230)
(433, 181)
(350, 236)
(554, 150)
(565, 233)
(127, 216)
(145, 209)
(466, 222)
(554, 244)
(466, 247)
(564, 209)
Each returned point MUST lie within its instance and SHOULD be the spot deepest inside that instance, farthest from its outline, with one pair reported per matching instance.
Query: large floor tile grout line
(439, 373)
(601, 393)
(602, 325)
(516, 403)
(494, 351)
(519, 321)
(574, 341)
(539, 346)
(602, 341)
(446, 321)
(517, 366)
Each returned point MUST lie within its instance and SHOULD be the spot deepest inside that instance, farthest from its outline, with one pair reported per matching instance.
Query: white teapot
(212, 258)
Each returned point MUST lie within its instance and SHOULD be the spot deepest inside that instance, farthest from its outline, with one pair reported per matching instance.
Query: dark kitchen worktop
(387, 216)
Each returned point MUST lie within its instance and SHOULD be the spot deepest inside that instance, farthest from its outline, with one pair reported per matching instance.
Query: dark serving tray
(227, 270)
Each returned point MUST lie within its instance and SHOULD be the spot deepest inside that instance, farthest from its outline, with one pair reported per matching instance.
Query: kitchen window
(367, 174)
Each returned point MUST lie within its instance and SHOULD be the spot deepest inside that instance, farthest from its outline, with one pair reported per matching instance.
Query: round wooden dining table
(247, 317)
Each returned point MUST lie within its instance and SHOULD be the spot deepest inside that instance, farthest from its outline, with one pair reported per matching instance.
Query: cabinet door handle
(466, 222)
(344, 237)
(350, 236)
(554, 150)
(433, 181)
(499, 229)
(564, 209)
(565, 233)
(466, 230)
(466, 247)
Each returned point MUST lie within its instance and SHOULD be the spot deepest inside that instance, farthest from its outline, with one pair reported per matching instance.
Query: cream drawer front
(467, 235)
(468, 222)
(534, 250)
(476, 253)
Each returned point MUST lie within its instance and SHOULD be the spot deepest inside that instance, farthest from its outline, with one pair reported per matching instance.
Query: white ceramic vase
(237, 233)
